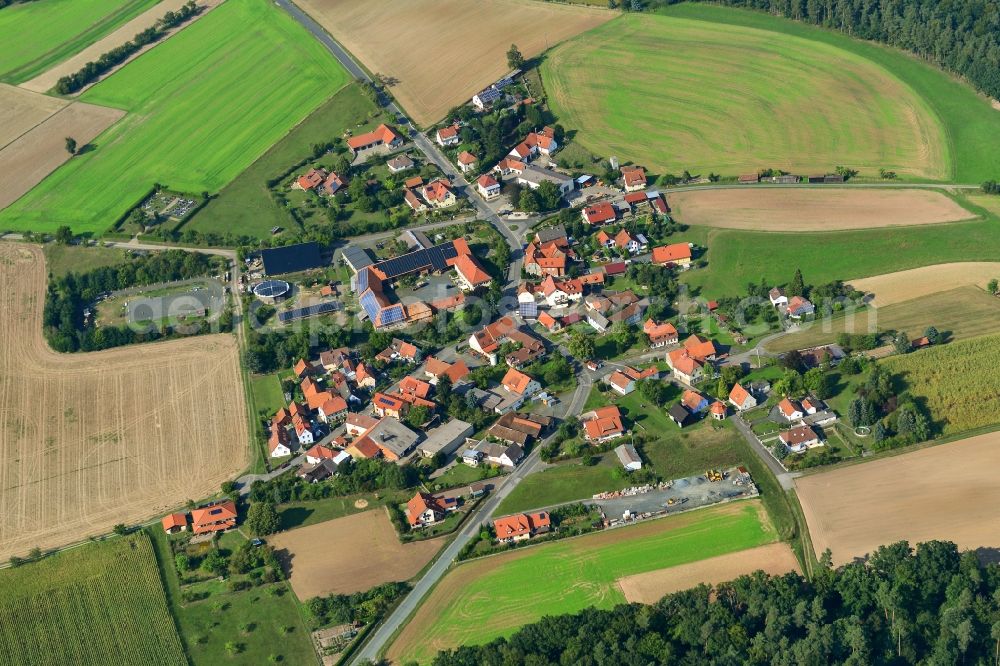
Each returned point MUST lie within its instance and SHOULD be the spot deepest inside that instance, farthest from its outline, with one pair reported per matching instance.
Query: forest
(961, 36)
(931, 604)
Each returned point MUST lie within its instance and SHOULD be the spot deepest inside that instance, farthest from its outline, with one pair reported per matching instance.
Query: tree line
(67, 298)
(961, 36)
(931, 604)
(94, 70)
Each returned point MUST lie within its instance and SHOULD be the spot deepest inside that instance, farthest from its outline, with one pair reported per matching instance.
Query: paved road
(784, 478)
(247, 480)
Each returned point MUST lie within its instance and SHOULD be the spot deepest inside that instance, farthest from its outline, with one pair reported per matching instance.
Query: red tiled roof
(383, 133)
(669, 253)
(600, 213)
(516, 381)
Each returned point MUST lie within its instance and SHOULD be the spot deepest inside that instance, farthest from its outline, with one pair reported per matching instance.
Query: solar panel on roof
(370, 305)
(292, 258)
(528, 310)
(362, 281)
(392, 315)
(311, 311)
(433, 258)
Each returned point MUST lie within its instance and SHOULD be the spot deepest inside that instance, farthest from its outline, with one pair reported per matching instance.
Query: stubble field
(674, 93)
(902, 286)
(494, 596)
(647, 588)
(366, 549)
(814, 209)
(91, 440)
(181, 130)
(442, 52)
(943, 492)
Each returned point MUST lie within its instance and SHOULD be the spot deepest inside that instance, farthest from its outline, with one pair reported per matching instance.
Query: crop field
(97, 605)
(647, 588)
(814, 209)
(484, 599)
(180, 130)
(85, 443)
(903, 286)
(376, 557)
(959, 314)
(722, 114)
(990, 202)
(959, 383)
(33, 131)
(941, 492)
(47, 80)
(442, 52)
(34, 36)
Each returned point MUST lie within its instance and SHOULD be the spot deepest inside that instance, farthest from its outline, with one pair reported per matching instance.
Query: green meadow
(202, 107)
(482, 600)
(35, 36)
(700, 93)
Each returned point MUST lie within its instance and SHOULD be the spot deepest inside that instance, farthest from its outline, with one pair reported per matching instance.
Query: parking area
(203, 299)
(687, 493)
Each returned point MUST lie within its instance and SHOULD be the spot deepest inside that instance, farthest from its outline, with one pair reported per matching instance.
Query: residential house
(448, 136)
(318, 471)
(399, 350)
(469, 272)
(628, 457)
(516, 389)
(279, 443)
(333, 184)
(412, 386)
(660, 335)
(400, 163)
(529, 350)
(333, 410)
(626, 241)
(214, 518)
(520, 429)
(685, 368)
(790, 409)
(487, 340)
(435, 369)
(777, 296)
(383, 135)
(679, 415)
(549, 322)
(303, 368)
(488, 186)
(677, 254)
(600, 213)
(548, 259)
(621, 383)
(521, 526)
(800, 439)
(634, 178)
(438, 194)
(358, 424)
(604, 239)
(318, 453)
(799, 307)
(174, 523)
(424, 509)
(509, 165)
(384, 405)
(695, 402)
(310, 180)
(598, 321)
(467, 161)
(533, 176)
(303, 430)
(742, 399)
(602, 424)
(363, 377)
(415, 203)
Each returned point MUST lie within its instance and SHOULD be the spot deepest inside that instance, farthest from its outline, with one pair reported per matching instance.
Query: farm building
(174, 523)
(629, 457)
(292, 258)
(445, 438)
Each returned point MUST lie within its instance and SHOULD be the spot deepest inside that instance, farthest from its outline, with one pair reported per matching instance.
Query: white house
(448, 136)
(800, 439)
(488, 186)
(777, 296)
(629, 457)
(790, 410)
(742, 399)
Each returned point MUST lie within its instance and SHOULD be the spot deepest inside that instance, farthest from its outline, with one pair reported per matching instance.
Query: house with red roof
(488, 187)
(521, 526)
(684, 367)
(332, 410)
(677, 254)
(384, 404)
(471, 275)
(799, 307)
(694, 402)
(634, 178)
(310, 180)
(791, 409)
(383, 135)
(279, 442)
(318, 453)
(800, 439)
(448, 136)
(425, 509)
(438, 194)
(547, 259)
(718, 410)
(599, 213)
(435, 369)
(333, 184)
(467, 161)
(603, 424)
(621, 383)
(549, 322)
(214, 518)
(174, 523)
(742, 399)
(627, 241)
(660, 335)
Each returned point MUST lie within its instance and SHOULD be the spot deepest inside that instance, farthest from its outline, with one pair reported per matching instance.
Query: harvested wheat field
(33, 131)
(91, 440)
(350, 554)
(943, 492)
(647, 588)
(47, 80)
(901, 286)
(442, 52)
(814, 209)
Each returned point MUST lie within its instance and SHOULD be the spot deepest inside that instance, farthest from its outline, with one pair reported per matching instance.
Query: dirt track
(351, 554)
(650, 587)
(919, 282)
(47, 80)
(120, 436)
(442, 52)
(33, 131)
(942, 492)
(814, 209)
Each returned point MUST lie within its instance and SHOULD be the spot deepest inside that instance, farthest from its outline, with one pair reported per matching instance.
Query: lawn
(35, 36)
(267, 394)
(482, 600)
(99, 604)
(842, 101)
(245, 206)
(202, 107)
(460, 474)
(564, 482)
(301, 514)
(960, 313)
(260, 622)
(957, 383)
(738, 257)
(834, 107)
(62, 259)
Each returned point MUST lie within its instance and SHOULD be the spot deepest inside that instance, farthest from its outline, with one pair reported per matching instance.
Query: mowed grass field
(711, 104)
(37, 35)
(202, 106)
(960, 313)
(98, 605)
(959, 383)
(482, 600)
(675, 93)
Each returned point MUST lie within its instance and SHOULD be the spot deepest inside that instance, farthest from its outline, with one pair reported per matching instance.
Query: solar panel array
(363, 280)
(392, 315)
(528, 310)
(433, 259)
(311, 311)
(370, 305)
